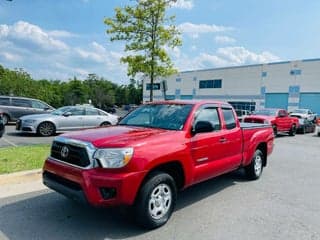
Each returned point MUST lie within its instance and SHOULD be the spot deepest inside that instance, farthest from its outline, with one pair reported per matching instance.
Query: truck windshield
(165, 116)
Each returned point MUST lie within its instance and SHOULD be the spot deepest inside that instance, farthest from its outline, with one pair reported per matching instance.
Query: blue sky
(59, 39)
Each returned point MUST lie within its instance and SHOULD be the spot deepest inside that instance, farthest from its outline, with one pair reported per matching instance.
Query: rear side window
(4, 101)
(92, 111)
(37, 104)
(229, 118)
(77, 111)
(21, 102)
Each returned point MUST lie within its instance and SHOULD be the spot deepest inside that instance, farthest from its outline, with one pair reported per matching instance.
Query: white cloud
(10, 57)
(194, 30)
(183, 4)
(61, 34)
(224, 39)
(224, 57)
(24, 34)
(240, 55)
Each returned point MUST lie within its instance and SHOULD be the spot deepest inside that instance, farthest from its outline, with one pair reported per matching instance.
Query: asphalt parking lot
(283, 204)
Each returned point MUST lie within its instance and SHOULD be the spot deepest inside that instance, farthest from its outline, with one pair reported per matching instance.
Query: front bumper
(95, 186)
(25, 127)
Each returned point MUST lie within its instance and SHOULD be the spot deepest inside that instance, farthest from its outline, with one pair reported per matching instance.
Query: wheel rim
(160, 201)
(46, 129)
(258, 164)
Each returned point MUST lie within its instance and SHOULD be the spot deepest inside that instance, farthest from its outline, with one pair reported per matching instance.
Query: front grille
(76, 155)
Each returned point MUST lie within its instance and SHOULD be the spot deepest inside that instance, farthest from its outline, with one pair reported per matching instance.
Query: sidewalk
(21, 182)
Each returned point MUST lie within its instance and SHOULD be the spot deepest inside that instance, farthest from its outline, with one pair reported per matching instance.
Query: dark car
(15, 107)
(1, 125)
(305, 125)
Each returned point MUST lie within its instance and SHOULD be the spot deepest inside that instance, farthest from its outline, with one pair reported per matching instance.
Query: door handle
(222, 140)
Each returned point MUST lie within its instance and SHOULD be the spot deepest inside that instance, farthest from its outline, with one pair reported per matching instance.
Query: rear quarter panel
(253, 137)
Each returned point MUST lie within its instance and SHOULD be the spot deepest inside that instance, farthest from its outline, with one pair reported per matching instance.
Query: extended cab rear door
(210, 150)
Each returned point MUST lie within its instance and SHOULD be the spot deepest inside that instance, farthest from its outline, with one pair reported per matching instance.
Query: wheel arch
(174, 168)
(264, 149)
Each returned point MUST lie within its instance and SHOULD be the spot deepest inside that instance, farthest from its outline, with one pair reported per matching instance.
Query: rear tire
(156, 201)
(5, 119)
(293, 130)
(254, 169)
(104, 124)
(46, 129)
(275, 130)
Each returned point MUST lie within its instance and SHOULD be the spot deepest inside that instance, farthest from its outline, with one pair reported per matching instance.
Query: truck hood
(117, 136)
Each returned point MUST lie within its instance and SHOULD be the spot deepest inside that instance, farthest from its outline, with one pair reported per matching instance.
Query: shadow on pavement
(49, 215)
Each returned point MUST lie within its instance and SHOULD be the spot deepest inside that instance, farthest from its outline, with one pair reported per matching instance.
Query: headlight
(113, 157)
(29, 121)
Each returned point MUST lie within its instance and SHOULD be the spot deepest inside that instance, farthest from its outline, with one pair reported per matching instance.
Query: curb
(20, 177)
(14, 184)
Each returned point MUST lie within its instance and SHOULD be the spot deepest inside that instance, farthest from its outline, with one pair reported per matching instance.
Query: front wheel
(156, 200)
(46, 129)
(5, 119)
(254, 169)
(275, 130)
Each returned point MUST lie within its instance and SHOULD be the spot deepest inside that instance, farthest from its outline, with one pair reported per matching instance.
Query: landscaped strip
(14, 159)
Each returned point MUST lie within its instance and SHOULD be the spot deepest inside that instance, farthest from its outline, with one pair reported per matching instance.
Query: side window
(77, 111)
(21, 102)
(4, 101)
(91, 111)
(229, 118)
(37, 104)
(211, 115)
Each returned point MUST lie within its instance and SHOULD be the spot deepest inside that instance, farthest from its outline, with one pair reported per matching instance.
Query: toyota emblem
(64, 152)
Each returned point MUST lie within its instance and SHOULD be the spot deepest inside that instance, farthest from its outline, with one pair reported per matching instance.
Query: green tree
(147, 32)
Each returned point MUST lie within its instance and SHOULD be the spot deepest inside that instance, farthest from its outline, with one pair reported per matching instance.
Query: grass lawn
(14, 159)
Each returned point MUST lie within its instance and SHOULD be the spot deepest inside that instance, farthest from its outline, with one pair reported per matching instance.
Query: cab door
(208, 148)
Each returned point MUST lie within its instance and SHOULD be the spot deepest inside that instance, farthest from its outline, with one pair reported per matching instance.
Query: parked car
(16, 107)
(66, 118)
(304, 113)
(2, 127)
(318, 127)
(277, 118)
(156, 150)
(305, 125)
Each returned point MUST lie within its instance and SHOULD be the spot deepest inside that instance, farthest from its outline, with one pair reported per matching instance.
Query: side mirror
(67, 114)
(202, 127)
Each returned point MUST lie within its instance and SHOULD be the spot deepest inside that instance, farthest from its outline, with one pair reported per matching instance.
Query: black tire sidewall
(141, 206)
(250, 171)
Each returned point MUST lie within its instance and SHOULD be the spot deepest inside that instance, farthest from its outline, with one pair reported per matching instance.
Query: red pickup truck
(156, 150)
(279, 119)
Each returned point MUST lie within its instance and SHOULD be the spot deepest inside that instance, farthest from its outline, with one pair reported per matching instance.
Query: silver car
(66, 118)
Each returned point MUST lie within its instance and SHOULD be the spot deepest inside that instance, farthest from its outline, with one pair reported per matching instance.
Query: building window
(178, 91)
(217, 83)
(295, 72)
(156, 86)
(263, 74)
(178, 79)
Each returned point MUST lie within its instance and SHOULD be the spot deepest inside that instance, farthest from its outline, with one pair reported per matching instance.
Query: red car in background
(279, 119)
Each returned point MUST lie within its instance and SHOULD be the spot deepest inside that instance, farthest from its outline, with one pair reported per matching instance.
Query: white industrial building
(288, 85)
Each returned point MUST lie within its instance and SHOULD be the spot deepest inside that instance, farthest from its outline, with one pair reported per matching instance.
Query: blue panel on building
(311, 101)
(170, 97)
(276, 100)
(186, 97)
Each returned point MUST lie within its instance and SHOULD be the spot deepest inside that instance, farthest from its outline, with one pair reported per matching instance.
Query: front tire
(156, 200)
(275, 130)
(254, 169)
(46, 129)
